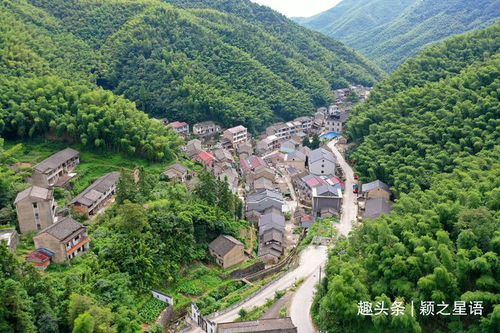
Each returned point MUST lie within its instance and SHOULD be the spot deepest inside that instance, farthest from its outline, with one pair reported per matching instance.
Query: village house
(280, 130)
(267, 145)
(180, 127)
(250, 164)
(40, 258)
(296, 160)
(279, 325)
(275, 158)
(289, 145)
(55, 170)
(227, 251)
(376, 189)
(96, 196)
(319, 118)
(223, 156)
(305, 123)
(376, 207)
(335, 123)
(262, 183)
(245, 149)
(271, 220)
(333, 109)
(230, 176)
(193, 148)
(270, 253)
(176, 172)
(321, 162)
(261, 202)
(65, 238)
(236, 135)
(10, 237)
(35, 208)
(206, 128)
(264, 199)
(326, 201)
(262, 171)
(207, 159)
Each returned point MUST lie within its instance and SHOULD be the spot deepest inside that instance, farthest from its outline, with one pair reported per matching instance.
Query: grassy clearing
(256, 312)
(322, 228)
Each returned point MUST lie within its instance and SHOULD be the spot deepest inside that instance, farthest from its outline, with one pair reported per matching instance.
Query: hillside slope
(210, 60)
(388, 32)
(431, 132)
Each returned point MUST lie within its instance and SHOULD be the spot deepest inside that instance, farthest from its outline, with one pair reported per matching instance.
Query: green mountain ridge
(195, 62)
(388, 32)
(430, 130)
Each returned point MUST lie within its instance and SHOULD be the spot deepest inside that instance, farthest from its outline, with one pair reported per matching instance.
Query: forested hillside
(46, 88)
(388, 32)
(229, 61)
(431, 132)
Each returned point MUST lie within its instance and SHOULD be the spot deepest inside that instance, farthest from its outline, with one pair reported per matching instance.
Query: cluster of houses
(58, 238)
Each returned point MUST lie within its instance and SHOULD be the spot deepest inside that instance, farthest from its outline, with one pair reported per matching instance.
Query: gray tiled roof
(178, 167)
(374, 185)
(92, 193)
(56, 160)
(376, 207)
(327, 190)
(321, 154)
(63, 228)
(297, 155)
(34, 192)
(272, 235)
(260, 195)
(223, 244)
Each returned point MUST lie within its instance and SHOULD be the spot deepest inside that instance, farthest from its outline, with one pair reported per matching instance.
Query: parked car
(356, 176)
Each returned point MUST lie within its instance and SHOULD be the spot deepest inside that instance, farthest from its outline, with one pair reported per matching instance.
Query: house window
(37, 216)
(35, 205)
(38, 226)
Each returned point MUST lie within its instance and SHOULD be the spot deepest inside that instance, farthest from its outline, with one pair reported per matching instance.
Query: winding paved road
(311, 259)
(302, 301)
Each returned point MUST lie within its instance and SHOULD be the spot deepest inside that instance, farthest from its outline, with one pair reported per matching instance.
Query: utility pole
(319, 274)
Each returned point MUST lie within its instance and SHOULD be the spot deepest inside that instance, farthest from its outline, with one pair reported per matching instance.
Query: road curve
(301, 303)
(311, 259)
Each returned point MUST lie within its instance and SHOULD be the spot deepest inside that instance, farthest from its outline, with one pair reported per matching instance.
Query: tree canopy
(431, 131)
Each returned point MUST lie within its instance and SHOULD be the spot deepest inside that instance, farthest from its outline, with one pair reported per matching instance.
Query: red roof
(252, 162)
(177, 124)
(306, 218)
(315, 181)
(40, 255)
(205, 157)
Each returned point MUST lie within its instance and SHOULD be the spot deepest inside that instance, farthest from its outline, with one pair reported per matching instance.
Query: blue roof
(329, 135)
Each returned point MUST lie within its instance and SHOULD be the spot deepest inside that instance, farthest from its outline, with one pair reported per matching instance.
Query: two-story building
(180, 127)
(326, 201)
(65, 238)
(236, 135)
(321, 162)
(206, 128)
(227, 251)
(55, 170)
(35, 208)
(95, 197)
